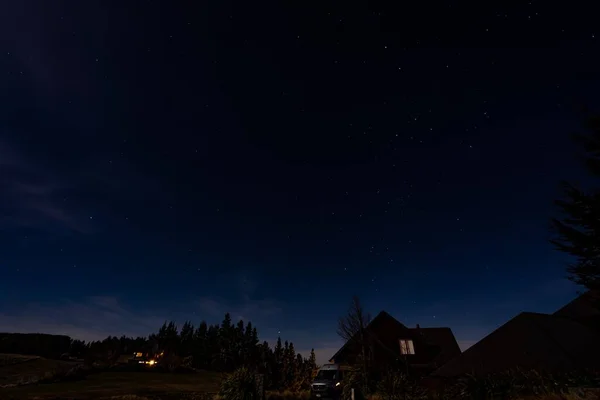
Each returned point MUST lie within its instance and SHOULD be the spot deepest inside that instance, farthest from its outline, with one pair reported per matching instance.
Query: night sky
(177, 160)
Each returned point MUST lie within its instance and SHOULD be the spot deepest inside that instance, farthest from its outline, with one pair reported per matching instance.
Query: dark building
(566, 340)
(391, 343)
(585, 309)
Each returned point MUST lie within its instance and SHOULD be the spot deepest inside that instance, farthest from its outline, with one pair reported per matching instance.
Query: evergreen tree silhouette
(578, 232)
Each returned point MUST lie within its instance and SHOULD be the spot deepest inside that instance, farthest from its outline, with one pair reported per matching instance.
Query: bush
(128, 397)
(399, 386)
(518, 383)
(75, 373)
(239, 385)
(353, 379)
(288, 395)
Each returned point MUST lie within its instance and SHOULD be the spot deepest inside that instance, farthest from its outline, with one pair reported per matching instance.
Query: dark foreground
(123, 385)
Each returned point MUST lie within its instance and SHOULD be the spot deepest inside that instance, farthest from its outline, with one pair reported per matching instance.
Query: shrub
(288, 395)
(75, 373)
(399, 386)
(518, 383)
(353, 379)
(239, 385)
(128, 397)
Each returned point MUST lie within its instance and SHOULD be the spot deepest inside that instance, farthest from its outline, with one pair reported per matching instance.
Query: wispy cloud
(91, 319)
(33, 196)
(97, 317)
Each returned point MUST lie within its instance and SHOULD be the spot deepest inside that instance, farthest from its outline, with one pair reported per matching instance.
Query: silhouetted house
(563, 341)
(583, 309)
(390, 343)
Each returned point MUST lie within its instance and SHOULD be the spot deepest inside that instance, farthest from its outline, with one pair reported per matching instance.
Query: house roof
(440, 337)
(530, 341)
(369, 329)
(444, 339)
(581, 307)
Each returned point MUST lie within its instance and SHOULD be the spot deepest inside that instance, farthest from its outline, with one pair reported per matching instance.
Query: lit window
(406, 347)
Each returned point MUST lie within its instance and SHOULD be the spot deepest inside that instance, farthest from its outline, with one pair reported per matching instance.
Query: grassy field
(20, 370)
(105, 385)
(16, 369)
(10, 359)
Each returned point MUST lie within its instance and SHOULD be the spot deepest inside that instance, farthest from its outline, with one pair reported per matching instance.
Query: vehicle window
(329, 374)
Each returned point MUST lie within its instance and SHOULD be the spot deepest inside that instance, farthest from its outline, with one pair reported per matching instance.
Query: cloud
(93, 318)
(96, 317)
(33, 197)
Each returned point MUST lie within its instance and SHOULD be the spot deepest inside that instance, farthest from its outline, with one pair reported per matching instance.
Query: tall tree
(250, 343)
(168, 338)
(226, 339)
(213, 343)
(290, 371)
(186, 337)
(312, 360)
(352, 328)
(200, 350)
(238, 344)
(578, 232)
(278, 359)
(278, 352)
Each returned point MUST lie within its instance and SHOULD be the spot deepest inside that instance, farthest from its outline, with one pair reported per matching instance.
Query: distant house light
(406, 347)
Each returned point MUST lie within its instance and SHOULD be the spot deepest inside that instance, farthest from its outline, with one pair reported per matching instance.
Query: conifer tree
(200, 352)
(226, 333)
(186, 337)
(278, 352)
(578, 232)
(312, 360)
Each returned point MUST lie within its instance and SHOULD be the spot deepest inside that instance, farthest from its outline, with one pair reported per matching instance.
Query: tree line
(217, 347)
(39, 344)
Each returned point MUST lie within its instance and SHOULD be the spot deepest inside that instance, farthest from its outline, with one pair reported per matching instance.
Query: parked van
(328, 382)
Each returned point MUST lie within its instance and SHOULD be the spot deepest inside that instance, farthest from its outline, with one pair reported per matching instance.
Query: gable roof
(369, 330)
(531, 341)
(439, 337)
(581, 307)
(444, 339)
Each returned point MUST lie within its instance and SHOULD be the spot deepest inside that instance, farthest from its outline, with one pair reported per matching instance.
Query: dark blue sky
(162, 162)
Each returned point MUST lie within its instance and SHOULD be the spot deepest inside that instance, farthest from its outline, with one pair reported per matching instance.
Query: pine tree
(277, 369)
(213, 343)
(578, 233)
(172, 338)
(168, 337)
(250, 343)
(161, 336)
(238, 344)
(312, 360)
(226, 342)
(186, 337)
(300, 376)
(200, 352)
(289, 364)
(278, 352)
